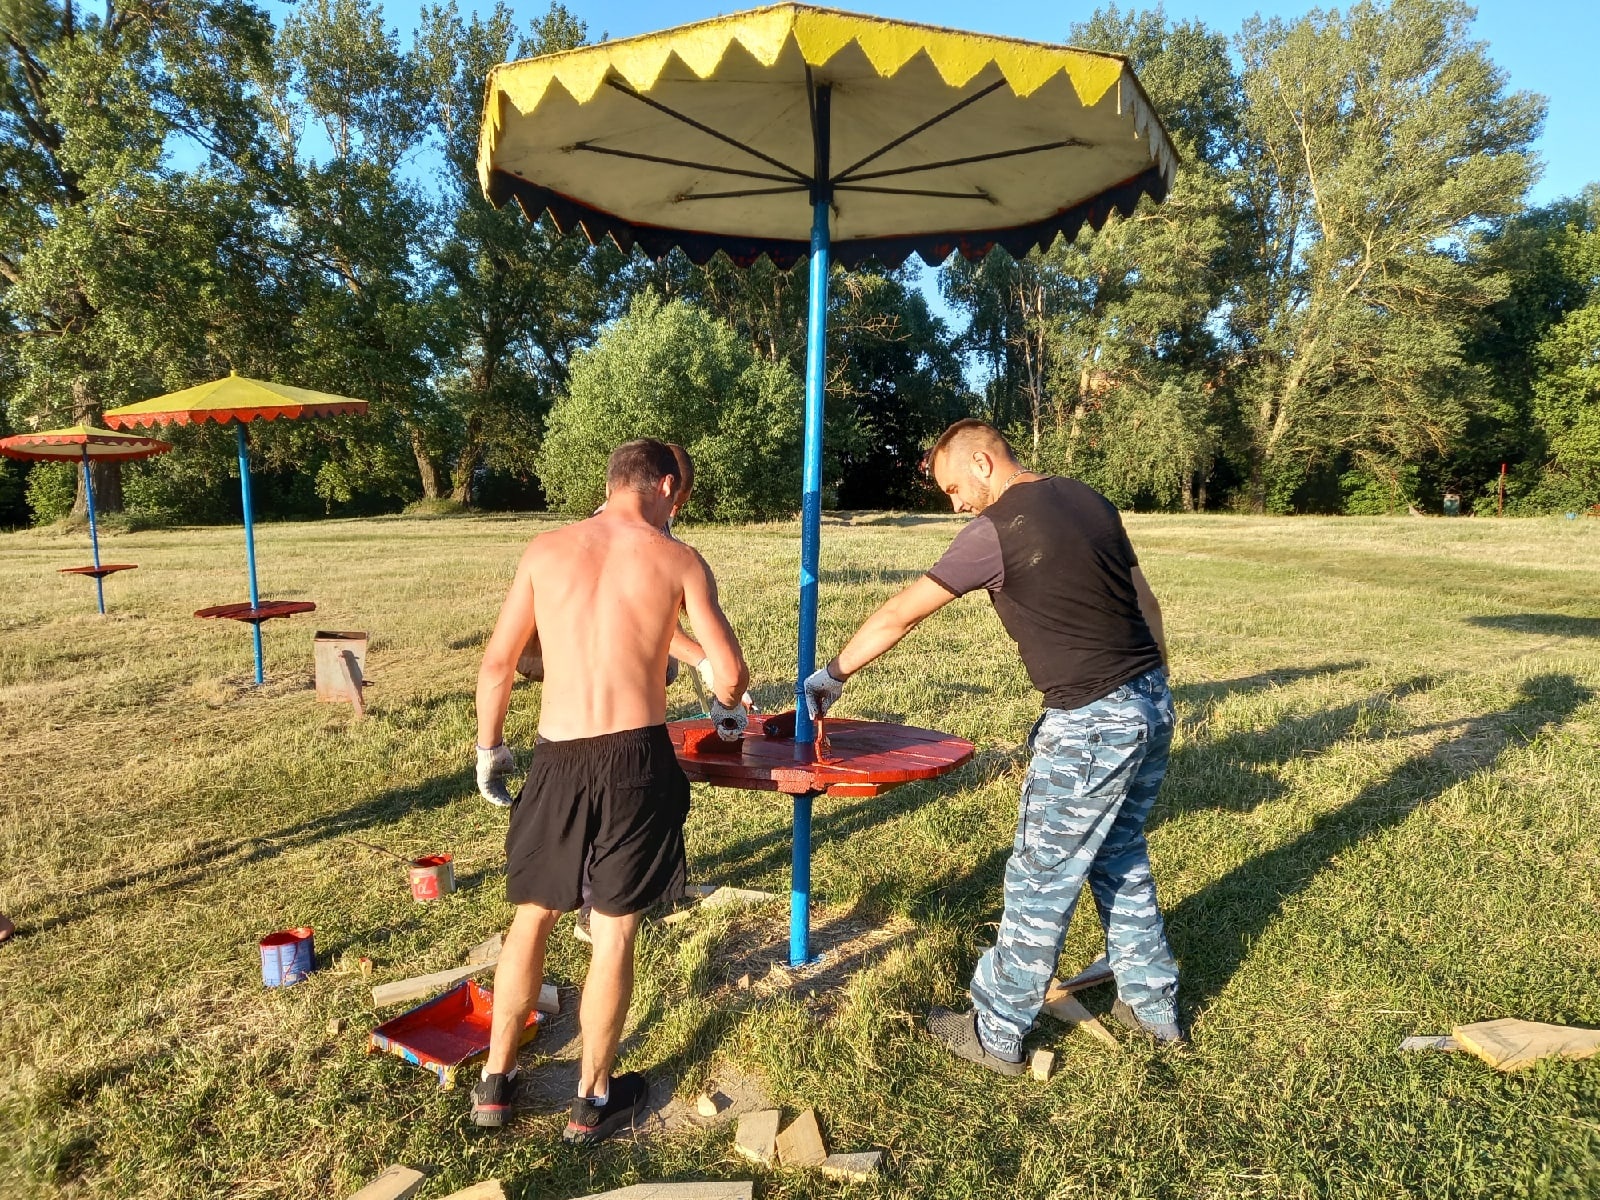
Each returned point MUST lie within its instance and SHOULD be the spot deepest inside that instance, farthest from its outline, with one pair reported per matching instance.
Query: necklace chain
(1009, 482)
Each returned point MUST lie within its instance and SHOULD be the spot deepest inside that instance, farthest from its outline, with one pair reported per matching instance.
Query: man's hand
(823, 688)
(728, 722)
(494, 765)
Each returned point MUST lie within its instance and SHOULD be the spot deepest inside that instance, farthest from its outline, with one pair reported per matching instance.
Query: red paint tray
(446, 1033)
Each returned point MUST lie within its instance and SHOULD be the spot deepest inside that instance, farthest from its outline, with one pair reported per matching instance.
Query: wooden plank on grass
(704, 1190)
(395, 1183)
(489, 1189)
(1510, 1044)
(1063, 1006)
(801, 1144)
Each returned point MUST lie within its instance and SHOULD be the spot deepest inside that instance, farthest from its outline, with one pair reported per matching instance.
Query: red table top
(865, 758)
(266, 611)
(102, 570)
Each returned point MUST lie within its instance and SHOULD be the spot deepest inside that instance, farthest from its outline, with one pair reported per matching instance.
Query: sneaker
(580, 926)
(958, 1033)
(591, 1122)
(1162, 1033)
(491, 1101)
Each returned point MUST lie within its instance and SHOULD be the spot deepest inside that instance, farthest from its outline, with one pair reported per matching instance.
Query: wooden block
(486, 951)
(395, 1183)
(727, 897)
(420, 985)
(681, 1191)
(744, 982)
(801, 1144)
(706, 1105)
(1041, 1064)
(1093, 975)
(336, 1026)
(549, 1001)
(489, 1189)
(1432, 1041)
(1061, 1005)
(757, 1135)
(1510, 1044)
(852, 1166)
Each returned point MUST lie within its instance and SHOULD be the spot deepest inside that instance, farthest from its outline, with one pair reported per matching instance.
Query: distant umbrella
(85, 444)
(237, 400)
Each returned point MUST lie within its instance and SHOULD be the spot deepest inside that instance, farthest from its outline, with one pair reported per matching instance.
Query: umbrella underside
(71, 444)
(706, 139)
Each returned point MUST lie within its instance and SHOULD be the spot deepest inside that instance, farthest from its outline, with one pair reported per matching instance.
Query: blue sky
(1547, 46)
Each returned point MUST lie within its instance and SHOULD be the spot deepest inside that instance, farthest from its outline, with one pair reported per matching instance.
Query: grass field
(1380, 820)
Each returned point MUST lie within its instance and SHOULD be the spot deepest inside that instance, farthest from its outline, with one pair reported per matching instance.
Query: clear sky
(1547, 46)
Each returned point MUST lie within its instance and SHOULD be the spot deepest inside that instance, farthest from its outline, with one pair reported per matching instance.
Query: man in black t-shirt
(1056, 562)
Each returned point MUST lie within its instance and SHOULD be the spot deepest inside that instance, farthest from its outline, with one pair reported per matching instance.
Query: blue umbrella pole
(94, 534)
(810, 533)
(250, 542)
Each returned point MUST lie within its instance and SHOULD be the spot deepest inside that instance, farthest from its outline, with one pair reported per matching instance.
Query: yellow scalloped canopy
(71, 443)
(235, 398)
(706, 133)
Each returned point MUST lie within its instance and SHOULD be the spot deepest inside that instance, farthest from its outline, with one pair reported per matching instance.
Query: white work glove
(494, 765)
(728, 722)
(822, 691)
(703, 669)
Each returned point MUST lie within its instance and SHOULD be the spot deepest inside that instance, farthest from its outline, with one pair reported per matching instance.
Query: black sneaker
(491, 1101)
(591, 1122)
(1161, 1033)
(958, 1033)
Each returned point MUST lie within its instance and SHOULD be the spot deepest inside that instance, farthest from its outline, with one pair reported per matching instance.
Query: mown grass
(1380, 820)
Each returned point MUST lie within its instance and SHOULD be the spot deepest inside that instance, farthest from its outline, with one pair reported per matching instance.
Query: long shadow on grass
(1212, 930)
(230, 854)
(1558, 624)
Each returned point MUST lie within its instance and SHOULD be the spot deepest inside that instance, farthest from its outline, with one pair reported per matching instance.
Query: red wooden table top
(266, 611)
(864, 758)
(102, 570)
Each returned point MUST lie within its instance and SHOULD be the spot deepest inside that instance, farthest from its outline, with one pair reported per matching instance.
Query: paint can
(432, 877)
(287, 956)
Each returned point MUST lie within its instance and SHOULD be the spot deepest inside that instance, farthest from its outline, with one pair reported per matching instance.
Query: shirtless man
(605, 795)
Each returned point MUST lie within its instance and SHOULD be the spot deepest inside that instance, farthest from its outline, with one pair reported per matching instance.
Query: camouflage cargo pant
(1094, 776)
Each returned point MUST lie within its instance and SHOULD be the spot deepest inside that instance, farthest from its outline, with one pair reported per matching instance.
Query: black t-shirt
(1058, 566)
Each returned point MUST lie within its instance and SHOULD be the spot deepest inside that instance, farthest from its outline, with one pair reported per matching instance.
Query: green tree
(669, 370)
(1378, 143)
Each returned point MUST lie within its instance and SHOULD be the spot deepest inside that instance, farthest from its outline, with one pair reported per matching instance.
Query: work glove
(494, 765)
(703, 669)
(822, 691)
(728, 722)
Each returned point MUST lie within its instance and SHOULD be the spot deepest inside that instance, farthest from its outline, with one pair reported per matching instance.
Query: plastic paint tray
(446, 1033)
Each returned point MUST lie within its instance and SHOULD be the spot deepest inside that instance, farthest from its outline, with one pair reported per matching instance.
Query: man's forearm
(881, 632)
(493, 699)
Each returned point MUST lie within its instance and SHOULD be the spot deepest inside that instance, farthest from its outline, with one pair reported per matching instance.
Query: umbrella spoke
(977, 194)
(681, 162)
(772, 191)
(972, 158)
(710, 132)
(923, 128)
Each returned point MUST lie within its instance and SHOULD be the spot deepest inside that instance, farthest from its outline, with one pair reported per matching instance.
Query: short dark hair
(685, 471)
(966, 430)
(640, 466)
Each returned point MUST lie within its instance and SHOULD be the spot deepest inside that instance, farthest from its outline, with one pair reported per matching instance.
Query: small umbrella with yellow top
(237, 400)
(85, 444)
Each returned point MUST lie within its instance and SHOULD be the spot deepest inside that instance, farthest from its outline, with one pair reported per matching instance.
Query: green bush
(52, 489)
(671, 371)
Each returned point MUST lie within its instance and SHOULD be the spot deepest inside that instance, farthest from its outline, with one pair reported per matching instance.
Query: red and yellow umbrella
(237, 400)
(84, 443)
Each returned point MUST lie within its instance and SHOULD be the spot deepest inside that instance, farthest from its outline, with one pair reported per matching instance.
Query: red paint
(432, 877)
(441, 1034)
(864, 758)
(101, 571)
(264, 612)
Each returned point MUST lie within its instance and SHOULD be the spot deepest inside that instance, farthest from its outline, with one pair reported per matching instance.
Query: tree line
(1346, 304)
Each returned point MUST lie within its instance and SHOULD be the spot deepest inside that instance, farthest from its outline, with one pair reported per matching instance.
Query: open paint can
(287, 956)
(432, 877)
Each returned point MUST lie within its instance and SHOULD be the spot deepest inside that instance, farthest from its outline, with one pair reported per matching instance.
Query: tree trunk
(107, 475)
(468, 462)
(434, 480)
(1188, 491)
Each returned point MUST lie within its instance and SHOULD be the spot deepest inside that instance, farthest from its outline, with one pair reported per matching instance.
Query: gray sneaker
(1162, 1033)
(958, 1033)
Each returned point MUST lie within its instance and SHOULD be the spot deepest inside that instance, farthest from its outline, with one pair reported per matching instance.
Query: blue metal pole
(250, 541)
(811, 522)
(94, 535)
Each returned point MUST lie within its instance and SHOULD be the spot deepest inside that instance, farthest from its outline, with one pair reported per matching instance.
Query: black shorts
(609, 808)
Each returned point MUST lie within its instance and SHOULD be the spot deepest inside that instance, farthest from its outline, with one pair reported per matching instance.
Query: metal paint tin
(432, 877)
(287, 956)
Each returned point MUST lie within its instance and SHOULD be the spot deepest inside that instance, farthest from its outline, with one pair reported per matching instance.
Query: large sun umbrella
(85, 444)
(793, 131)
(237, 400)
